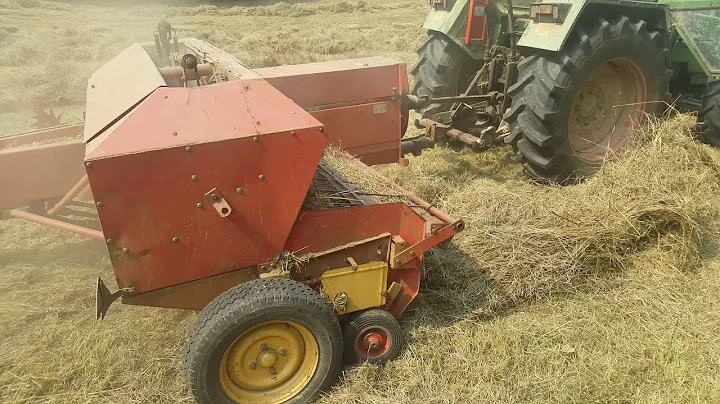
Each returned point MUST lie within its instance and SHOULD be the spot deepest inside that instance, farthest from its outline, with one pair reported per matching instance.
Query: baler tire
(358, 325)
(710, 114)
(544, 97)
(443, 70)
(238, 311)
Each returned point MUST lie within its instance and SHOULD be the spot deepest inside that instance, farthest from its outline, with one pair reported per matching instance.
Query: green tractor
(570, 78)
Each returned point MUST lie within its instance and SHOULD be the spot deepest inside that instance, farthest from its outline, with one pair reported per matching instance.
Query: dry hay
(596, 292)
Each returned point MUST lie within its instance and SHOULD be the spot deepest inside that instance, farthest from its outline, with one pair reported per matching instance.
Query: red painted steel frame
(358, 100)
(244, 139)
(39, 166)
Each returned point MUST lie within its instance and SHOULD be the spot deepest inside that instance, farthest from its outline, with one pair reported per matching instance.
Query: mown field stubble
(603, 291)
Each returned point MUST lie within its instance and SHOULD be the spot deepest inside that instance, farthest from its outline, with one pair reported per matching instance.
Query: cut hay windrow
(528, 241)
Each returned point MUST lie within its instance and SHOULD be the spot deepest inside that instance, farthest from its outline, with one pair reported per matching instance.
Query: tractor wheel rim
(269, 363)
(606, 109)
(373, 342)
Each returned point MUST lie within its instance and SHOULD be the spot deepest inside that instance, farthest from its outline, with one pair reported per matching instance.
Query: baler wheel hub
(373, 342)
(274, 377)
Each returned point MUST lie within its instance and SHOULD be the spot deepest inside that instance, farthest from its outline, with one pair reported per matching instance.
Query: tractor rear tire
(710, 114)
(266, 340)
(574, 108)
(443, 70)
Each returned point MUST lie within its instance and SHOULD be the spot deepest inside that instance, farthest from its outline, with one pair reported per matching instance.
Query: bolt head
(165, 96)
(239, 190)
(293, 133)
(126, 250)
(199, 205)
(98, 204)
(263, 346)
(272, 371)
(88, 164)
(109, 241)
(174, 133)
(175, 239)
(262, 177)
(188, 148)
(253, 365)
(193, 177)
(379, 252)
(256, 139)
(322, 129)
(282, 351)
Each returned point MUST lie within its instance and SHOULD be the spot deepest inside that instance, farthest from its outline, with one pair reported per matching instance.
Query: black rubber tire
(443, 70)
(357, 323)
(710, 114)
(249, 304)
(548, 82)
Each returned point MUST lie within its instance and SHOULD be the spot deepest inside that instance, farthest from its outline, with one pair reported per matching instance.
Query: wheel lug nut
(272, 371)
(253, 365)
(282, 352)
(263, 346)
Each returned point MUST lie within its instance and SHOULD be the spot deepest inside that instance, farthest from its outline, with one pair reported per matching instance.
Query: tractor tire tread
(710, 114)
(545, 79)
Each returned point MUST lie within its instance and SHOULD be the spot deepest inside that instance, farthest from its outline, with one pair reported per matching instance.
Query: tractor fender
(551, 36)
(451, 23)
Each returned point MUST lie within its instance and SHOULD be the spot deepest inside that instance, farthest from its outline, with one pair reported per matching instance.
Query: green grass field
(604, 291)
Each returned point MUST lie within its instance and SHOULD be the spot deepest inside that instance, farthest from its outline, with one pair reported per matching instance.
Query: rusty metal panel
(39, 172)
(152, 174)
(172, 117)
(358, 100)
(321, 230)
(48, 135)
(193, 295)
(371, 131)
(117, 86)
(333, 83)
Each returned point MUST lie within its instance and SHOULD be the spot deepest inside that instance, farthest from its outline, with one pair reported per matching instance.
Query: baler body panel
(40, 165)
(154, 173)
(118, 86)
(358, 100)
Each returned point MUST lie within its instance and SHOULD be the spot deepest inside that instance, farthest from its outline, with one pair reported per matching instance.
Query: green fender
(551, 36)
(452, 23)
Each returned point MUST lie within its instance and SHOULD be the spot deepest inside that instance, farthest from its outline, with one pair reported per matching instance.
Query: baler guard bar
(451, 228)
(429, 208)
(44, 220)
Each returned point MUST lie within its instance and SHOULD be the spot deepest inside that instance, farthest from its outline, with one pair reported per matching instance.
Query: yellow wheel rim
(269, 363)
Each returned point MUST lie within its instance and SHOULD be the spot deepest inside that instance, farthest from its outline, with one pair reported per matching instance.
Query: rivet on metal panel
(175, 239)
(239, 190)
(379, 251)
(188, 148)
(257, 122)
(193, 177)
(256, 139)
(199, 205)
(126, 250)
(92, 85)
(99, 204)
(262, 177)
(88, 164)
(293, 133)
(253, 365)
(165, 96)
(174, 133)
(109, 241)
(322, 129)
